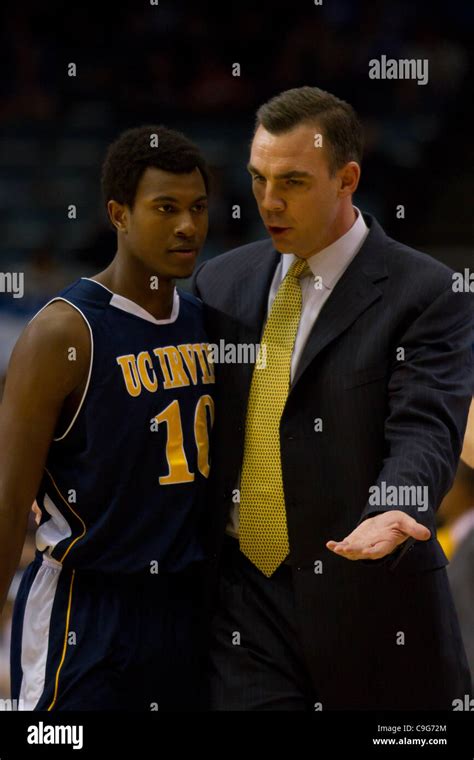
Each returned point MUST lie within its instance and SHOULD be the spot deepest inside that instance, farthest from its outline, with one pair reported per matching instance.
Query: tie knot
(299, 268)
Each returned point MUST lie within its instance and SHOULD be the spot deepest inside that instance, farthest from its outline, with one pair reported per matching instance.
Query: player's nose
(185, 226)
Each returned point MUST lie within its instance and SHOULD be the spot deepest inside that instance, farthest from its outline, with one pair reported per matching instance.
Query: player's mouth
(276, 231)
(185, 253)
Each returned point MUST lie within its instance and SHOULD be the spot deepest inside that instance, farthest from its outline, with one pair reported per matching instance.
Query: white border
(129, 306)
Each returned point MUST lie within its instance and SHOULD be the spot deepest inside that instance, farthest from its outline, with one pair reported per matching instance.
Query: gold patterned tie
(263, 531)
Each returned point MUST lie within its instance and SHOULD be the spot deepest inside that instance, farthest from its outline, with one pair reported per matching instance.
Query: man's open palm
(379, 535)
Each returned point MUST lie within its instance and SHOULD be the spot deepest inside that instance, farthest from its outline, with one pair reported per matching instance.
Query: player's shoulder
(57, 325)
(45, 350)
(58, 316)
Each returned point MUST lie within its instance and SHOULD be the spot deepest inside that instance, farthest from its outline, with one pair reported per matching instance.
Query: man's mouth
(274, 230)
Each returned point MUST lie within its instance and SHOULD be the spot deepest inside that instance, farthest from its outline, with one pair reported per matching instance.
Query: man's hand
(379, 535)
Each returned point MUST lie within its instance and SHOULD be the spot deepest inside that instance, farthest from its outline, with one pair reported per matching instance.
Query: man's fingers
(343, 546)
(414, 529)
(373, 540)
(354, 552)
(347, 541)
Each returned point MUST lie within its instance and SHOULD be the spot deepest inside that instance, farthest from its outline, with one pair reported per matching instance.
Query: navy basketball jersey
(123, 486)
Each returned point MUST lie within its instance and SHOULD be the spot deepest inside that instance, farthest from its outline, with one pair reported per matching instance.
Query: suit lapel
(353, 294)
(251, 295)
(252, 290)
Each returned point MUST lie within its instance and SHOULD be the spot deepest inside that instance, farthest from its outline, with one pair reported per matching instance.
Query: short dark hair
(132, 153)
(337, 120)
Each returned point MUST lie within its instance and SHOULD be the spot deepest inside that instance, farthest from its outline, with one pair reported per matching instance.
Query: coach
(332, 453)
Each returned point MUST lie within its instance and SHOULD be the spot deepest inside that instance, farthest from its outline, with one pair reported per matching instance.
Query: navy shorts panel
(110, 643)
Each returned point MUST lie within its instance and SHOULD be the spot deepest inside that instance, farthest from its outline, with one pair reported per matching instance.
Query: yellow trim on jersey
(74, 513)
(68, 615)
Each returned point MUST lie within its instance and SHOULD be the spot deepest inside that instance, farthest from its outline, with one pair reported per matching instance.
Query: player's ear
(118, 215)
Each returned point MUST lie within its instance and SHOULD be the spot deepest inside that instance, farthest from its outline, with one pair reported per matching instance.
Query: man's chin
(282, 247)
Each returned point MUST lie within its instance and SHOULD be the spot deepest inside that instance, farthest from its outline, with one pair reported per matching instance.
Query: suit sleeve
(429, 397)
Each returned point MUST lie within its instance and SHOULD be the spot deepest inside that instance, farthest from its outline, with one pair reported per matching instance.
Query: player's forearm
(13, 522)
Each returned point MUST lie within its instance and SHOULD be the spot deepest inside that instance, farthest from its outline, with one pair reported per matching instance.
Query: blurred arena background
(172, 64)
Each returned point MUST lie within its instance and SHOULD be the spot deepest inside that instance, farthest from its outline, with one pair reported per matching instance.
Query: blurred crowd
(172, 63)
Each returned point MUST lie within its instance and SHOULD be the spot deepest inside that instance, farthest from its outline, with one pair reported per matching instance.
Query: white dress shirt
(327, 266)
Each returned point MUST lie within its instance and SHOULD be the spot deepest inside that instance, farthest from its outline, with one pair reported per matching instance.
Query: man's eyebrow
(284, 175)
(176, 200)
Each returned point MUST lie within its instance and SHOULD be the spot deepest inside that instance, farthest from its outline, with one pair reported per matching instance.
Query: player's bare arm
(43, 386)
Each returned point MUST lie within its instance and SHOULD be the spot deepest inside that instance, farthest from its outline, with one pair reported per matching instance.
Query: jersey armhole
(86, 388)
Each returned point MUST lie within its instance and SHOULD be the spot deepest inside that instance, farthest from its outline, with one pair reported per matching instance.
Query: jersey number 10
(178, 464)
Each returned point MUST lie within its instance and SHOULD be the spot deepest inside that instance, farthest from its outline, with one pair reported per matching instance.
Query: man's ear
(349, 177)
(118, 215)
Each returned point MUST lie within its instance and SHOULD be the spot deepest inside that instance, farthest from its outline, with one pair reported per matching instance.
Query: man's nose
(271, 201)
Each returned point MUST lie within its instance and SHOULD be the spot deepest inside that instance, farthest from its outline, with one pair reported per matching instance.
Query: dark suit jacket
(375, 634)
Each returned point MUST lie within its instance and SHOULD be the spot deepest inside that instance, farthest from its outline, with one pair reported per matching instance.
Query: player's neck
(140, 285)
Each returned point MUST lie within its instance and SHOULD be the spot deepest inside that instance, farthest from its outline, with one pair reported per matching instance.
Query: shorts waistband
(142, 577)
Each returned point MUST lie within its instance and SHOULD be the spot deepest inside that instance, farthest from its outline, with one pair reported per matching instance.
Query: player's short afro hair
(138, 148)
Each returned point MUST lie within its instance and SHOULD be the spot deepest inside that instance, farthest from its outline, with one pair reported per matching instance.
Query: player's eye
(201, 208)
(294, 182)
(257, 178)
(167, 208)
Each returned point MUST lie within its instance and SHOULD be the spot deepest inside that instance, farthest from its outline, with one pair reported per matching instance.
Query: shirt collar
(330, 262)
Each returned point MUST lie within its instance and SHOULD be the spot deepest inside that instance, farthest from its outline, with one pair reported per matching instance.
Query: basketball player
(105, 421)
